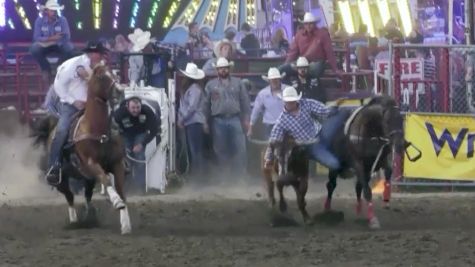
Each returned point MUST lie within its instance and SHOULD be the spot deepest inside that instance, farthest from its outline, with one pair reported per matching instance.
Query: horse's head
(392, 122)
(288, 153)
(102, 85)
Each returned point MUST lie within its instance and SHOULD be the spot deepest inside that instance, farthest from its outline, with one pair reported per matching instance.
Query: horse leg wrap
(73, 216)
(358, 207)
(126, 227)
(328, 205)
(387, 191)
(370, 210)
(117, 202)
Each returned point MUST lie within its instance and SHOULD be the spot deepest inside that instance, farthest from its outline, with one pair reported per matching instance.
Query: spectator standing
(191, 117)
(250, 44)
(227, 105)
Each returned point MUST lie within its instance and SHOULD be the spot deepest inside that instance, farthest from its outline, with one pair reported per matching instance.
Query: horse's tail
(42, 129)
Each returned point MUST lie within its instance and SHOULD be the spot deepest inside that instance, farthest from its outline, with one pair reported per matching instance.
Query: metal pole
(390, 69)
(469, 21)
(451, 21)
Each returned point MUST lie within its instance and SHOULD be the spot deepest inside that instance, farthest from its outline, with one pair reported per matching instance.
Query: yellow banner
(447, 145)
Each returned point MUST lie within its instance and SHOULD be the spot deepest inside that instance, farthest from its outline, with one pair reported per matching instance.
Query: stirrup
(60, 176)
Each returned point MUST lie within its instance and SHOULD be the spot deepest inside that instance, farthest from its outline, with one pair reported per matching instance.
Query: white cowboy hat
(223, 63)
(139, 39)
(192, 71)
(290, 94)
(52, 5)
(309, 18)
(217, 47)
(302, 62)
(273, 73)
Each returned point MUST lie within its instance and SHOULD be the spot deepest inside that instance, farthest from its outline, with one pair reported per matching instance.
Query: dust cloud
(19, 161)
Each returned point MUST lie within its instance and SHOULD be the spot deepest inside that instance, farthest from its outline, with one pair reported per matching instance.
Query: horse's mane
(384, 101)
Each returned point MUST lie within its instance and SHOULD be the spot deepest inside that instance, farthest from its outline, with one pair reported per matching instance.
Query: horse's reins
(103, 138)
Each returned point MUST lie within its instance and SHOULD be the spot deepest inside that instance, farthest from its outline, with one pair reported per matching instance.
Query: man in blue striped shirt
(298, 121)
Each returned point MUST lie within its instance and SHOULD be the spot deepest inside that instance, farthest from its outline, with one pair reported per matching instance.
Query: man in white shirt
(70, 85)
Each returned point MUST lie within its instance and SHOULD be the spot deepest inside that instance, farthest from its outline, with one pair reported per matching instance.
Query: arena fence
(434, 86)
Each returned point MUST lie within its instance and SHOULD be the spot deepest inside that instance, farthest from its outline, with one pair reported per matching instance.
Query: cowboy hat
(302, 62)
(95, 47)
(290, 94)
(139, 39)
(217, 47)
(273, 73)
(52, 5)
(223, 63)
(309, 18)
(192, 71)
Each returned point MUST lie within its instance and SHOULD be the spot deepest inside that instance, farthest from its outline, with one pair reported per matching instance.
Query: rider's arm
(318, 109)
(244, 102)
(151, 124)
(269, 154)
(257, 109)
(194, 95)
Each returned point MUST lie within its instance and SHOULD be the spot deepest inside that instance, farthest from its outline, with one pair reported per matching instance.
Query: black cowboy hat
(95, 47)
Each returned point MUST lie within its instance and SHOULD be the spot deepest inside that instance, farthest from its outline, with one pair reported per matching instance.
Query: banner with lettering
(447, 146)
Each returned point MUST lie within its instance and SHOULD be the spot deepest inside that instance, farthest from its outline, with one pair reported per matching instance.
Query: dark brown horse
(367, 143)
(94, 153)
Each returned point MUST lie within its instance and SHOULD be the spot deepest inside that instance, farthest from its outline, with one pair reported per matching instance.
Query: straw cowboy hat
(139, 39)
(273, 73)
(302, 62)
(52, 5)
(223, 63)
(309, 18)
(217, 47)
(192, 71)
(290, 94)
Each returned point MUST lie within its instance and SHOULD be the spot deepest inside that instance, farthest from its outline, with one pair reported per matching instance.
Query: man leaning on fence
(138, 125)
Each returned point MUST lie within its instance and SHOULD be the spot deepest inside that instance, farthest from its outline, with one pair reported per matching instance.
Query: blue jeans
(66, 114)
(195, 140)
(138, 168)
(315, 69)
(321, 151)
(40, 53)
(229, 143)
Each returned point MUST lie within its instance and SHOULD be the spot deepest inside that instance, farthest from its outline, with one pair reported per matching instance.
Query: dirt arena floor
(217, 231)
(223, 227)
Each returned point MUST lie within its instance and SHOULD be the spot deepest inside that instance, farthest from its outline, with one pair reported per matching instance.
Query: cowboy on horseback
(297, 120)
(70, 86)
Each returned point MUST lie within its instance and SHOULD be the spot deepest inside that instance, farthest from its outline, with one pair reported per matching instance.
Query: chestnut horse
(291, 166)
(93, 151)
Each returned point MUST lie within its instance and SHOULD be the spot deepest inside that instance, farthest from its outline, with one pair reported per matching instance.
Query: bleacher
(21, 83)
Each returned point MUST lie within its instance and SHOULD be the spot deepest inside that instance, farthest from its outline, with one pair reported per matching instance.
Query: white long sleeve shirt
(68, 85)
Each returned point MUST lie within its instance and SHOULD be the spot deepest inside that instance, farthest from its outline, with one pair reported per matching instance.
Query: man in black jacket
(138, 125)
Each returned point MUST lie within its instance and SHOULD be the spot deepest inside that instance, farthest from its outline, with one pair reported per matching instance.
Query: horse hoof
(374, 223)
(126, 230)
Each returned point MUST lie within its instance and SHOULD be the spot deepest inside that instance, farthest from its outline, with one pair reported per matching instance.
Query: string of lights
(135, 11)
(251, 12)
(210, 18)
(21, 12)
(171, 13)
(153, 14)
(3, 15)
(189, 13)
(115, 20)
(96, 13)
(232, 14)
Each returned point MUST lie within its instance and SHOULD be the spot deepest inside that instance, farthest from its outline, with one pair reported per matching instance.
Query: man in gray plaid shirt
(298, 121)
